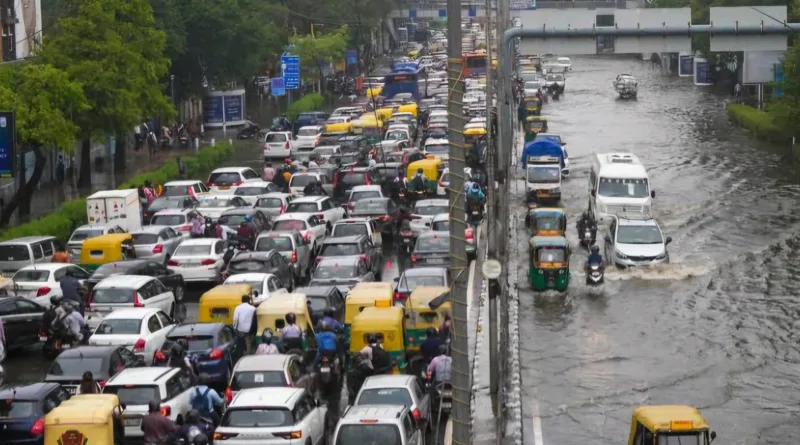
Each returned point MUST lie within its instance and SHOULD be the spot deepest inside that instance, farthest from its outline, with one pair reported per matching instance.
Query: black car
(343, 272)
(22, 411)
(168, 202)
(420, 276)
(432, 249)
(387, 171)
(384, 210)
(235, 217)
(171, 280)
(320, 297)
(264, 262)
(22, 319)
(354, 246)
(354, 143)
(103, 362)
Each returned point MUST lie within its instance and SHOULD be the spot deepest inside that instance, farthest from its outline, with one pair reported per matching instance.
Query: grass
(757, 121)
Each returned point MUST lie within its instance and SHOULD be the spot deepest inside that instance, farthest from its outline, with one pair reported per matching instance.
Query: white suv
(362, 423)
(288, 416)
(126, 291)
(136, 387)
(635, 240)
(321, 206)
(358, 226)
(278, 144)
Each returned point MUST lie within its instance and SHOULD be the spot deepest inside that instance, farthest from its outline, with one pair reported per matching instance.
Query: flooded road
(716, 328)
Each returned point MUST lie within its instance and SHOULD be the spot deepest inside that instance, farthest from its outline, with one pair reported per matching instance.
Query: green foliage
(329, 47)
(309, 102)
(72, 214)
(760, 122)
(786, 109)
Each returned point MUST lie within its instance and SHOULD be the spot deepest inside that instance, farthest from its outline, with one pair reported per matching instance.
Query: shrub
(309, 102)
(758, 121)
(64, 220)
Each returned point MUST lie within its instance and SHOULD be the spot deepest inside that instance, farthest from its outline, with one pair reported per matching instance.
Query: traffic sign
(491, 269)
(290, 65)
(278, 86)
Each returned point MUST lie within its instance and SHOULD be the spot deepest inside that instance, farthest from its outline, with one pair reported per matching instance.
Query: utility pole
(461, 373)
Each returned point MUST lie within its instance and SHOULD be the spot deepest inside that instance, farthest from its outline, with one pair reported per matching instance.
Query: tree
(327, 47)
(113, 50)
(786, 110)
(43, 98)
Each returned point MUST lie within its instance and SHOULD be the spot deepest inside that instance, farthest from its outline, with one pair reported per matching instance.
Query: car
(267, 285)
(300, 180)
(320, 297)
(285, 415)
(342, 272)
(321, 206)
(423, 212)
(264, 262)
(406, 390)
(213, 347)
(348, 160)
(40, 282)
(437, 147)
(398, 133)
(349, 177)
(235, 217)
(27, 250)
(268, 371)
(387, 171)
(85, 232)
(533, 86)
(309, 118)
(441, 223)
(22, 320)
(366, 226)
(293, 247)
(383, 210)
(347, 111)
(135, 387)
(277, 144)
(191, 187)
(126, 291)
(273, 204)
(156, 242)
(323, 153)
(147, 267)
(252, 190)
(310, 228)
(308, 137)
(354, 246)
(22, 411)
(360, 192)
(635, 240)
(212, 206)
(103, 362)
(223, 179)
(444, 181)
(165, 203)
(354, 143)
(180, 220)
(420, 276)
(199, 259)
(385, 424)
(432, 249)
(140, 329)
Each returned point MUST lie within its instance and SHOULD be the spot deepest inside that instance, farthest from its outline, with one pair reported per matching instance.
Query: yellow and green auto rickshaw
(533, 126)
(532, 105)
(106, 249)
(86, 419)
(386, 323)
(668, 424)
(431, 168)
(217, 304)
(547, 221)
(549, 263)
(362, 296)
(410, 107)
(271, 314)
(473, 135)
(420, 315)
(369, 127)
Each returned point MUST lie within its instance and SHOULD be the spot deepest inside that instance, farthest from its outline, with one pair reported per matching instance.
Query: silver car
(251, 191)
(212, 206)
(308, 137)
(157, 242)
(273, 204)
(425, 210)
(293, 247)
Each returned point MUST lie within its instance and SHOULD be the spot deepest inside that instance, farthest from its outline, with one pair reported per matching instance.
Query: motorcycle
(595, 274)
(407, 237)
(57, 340)
(587, 232)
(250, 131)
(475, 214)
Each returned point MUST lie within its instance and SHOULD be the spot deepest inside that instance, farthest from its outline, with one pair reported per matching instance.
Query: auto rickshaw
(431, 168)
(383, 113)
(533, 106)
(421, 316)
(217, 304)
(473, 135)
(85, 419)
(105, 249)
(387, 325)
(549, 263)
(533, 126)
(271, 314)
(371, 128)
(679, 423)
(374, 92)
(364, 295)
(410, 107)
(547, 221)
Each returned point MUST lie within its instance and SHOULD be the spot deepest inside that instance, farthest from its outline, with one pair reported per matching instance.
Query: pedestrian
(152, 143)
(737, 92)
(87, 384)
(198, 226)
(194, 132)
(181, 168)
(269, 172)
(243, 320)
(149, 192)
(60, 256)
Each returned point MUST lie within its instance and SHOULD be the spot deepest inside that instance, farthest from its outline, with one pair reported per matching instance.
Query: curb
(514, 378)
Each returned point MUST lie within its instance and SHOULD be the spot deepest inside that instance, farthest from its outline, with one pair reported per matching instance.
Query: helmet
(287, 160)
(177, 350)
(419, 171)
(248, 218)
(372, 338)
(442, 349)
(193, 416)
(324, 325)
(203, 378)
(55, 300)
(595, 249)
(153, 406)
(329, 312)
(200, 439)
(266, 336)
(67, 306)
(88, 376)
(431, 332)
(184, 344)
(290, 318)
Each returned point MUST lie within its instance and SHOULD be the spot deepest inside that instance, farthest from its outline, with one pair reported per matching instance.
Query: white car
(277, 144)
(180, 220)
(392, 389)
(267, 285)
(363, 192)
(397, 133)
(423, 214)
(358, 226)
(360, 424)
(252, 190)
(136, 387)
(222, 180)
(141, 329)
(437, 147)
(268, 371)
(127, 291)
(40, 282)
(311, 228)
(273, 204)
(192, 187)
(199, 259)
(321, 206)
(444, 181)
(212, 206)
(273, 416)
(308, 137)
(635, 240)
(300, 180)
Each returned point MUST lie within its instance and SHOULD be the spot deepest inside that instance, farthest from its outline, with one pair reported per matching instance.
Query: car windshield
(369, 434)
(194, 343)
(301, 180)
(279, 243)
(302, 207)
(32, 276)
(430, 210)
(385, 396)
(412, 282)
(76, 366)
(434, 243)
(226, 179)
(289, 225)
(269, 203)
(334, 271)
(134, 394)
(117, 268)
(168, 220)
(119, 326)
(14, 253)
(639, 235)
(80, 235)
(354, 178)
(437, 148)
(340, 230)
(231, 220)
(276, 137)
(623, 188)
(441, 226)
(549, 175)
(336, 120)
(555, 77)
(112, 295)
(140, 239)
(340, 250)
(170, 203)
(549, 222)
(249, 265)
(176, 190)
(369, 205)
(534, 85)
(19, 409)
(308, 132)
(551, 255)
(214, 203)
(193, 250)
(388, 172)
(257, 418)
(325, 151)
(257, 379)
(396, 135)
(317, 304)
(680, 439)
(250, 191)
(357, 196)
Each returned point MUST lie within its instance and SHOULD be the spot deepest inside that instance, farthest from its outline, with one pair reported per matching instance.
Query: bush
(64, 220)
(758, 121)
(309, 102)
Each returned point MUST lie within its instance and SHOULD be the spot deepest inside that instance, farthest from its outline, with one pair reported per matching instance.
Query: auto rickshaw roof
(536, 118)
(383, 316)
(544, 241)
(227, 291)
(107, 239)
(548, 211)
(666, 417)
(283, 304)
(369, 292)
(422, 295)
(84, 408)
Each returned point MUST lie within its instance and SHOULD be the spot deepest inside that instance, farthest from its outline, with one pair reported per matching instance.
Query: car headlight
(620, 255)
(556, 190)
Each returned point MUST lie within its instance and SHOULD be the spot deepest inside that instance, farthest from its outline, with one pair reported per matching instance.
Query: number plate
(446, 405)
(325, 370)
(133, 422)
(42, 338)
(406, 240)
(436, 260)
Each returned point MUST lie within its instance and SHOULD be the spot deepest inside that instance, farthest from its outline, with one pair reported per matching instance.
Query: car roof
(313, 127)
(26, 239)
(93, 226)
(340, 260)
(441, 217)
(231, 170)
(173, 211)
(183, 182)
(425, 271)
(353, 220)
(196, 329)
(89, 351)
(302, 216)
(366, 188)
(51, 267)
(268, 362)
(433, 235)
(133, 312)
(250, 276)
(437, 141)
(310, 199)
(381, 412)
(244, 256)
(352, 239)
(267, 397)
(316, 290)
(199, 241)
(35, 391)
(277, 234)
(388, 381)
(124, 281)
(150, 229)
(139, 376)
(632, 220)
(241, 211)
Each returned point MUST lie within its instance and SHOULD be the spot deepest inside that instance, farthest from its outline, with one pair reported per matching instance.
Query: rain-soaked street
(716, 327)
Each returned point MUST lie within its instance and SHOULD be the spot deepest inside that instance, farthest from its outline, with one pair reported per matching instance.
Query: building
(22, 28)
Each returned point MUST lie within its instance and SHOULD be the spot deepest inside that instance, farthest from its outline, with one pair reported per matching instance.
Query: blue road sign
(442, 13)
(412, 13)
(277, 85)
(473, 11)
(290, 65)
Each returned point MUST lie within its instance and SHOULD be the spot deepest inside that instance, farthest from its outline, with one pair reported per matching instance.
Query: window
(174, 386)
(14, 252)
(225, 336)
(153, 325)
(219, 247)
(37, 276)
(116, 364)
(135, 395)
(249, 174)
(37, 251)
(79, 273)
(27, 307)
(121, 326)
(127, 357)
(294, 371)
(385, 396)
(164, 319)
(384, 434)
(604, 20)
(257, 418)
(408, 425)
(272, 285)
(159, 287)
(47, 247)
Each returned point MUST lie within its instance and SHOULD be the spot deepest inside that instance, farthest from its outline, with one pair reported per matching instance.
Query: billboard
(685, 65)
(759, 66)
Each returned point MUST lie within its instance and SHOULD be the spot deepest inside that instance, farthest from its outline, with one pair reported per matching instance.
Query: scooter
(407, 238)
(595, 274)
(588, 237)
(475, 214)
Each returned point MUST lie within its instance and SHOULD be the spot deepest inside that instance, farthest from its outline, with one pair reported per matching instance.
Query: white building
(22, 28)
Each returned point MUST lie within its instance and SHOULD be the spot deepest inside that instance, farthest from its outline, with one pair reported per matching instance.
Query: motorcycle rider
(587, 223)
(179, 357)
(475, 197)
(439, 369)
(381, 361)
(205, 400)
(430, 347)
(291, 334)
(314, 188)
(73, 321)
(50, 314)
(361, 370)
(594, 256)
(247, 230)
(399, 183)
(326, 344)
(327, 317)
(192, 428)
(266, 347)
(417, 183)
(157, 429)
(72, 289)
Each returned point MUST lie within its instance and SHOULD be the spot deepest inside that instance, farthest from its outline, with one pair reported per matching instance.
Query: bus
(406, 80)
(475, 64)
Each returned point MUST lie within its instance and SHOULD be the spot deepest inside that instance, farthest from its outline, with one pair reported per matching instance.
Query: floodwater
(715, 328)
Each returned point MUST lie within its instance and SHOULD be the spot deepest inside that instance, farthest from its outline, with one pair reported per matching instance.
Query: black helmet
(419, 170)
(372, 338)
(200, 439)
(193, 417)
(328, 312)
(153, 406)
(184, 344)
(88, 376)
(290, 318)
(595, 249)
(442, 349)
(55, 300)
(431, 332)
(203, 378)
(266, 336)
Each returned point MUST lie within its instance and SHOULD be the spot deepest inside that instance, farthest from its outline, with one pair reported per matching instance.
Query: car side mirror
(668, 240)
(713, 435)
(125, 406)
(563, 144)
(427, 224)
(652, 193)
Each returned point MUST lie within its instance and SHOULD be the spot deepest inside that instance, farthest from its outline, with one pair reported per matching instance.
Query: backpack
(200, 401)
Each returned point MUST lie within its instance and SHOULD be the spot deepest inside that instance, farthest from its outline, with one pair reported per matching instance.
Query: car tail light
(136, 301)
(320, 216)
(416, 217)
(224, 436)
(158, 248)
(228, 394)
(289, 435)
(307, 235)
(294, 256)
(166, 411)
(469, 234)
(139, 345)
(185, 228)
(159, 355)
(383, 218)
(216, 354)
(101, 383)
(207, 262)
(318, 259)
(38, 427)
(416, 414)
(286, 147)
(283, 209)
(172, 263)
(413, 258)
(397, 295)
(363, 258)
(43, 291)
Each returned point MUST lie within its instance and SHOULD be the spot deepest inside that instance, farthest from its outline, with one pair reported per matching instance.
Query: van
(618, 183)
(18, 253)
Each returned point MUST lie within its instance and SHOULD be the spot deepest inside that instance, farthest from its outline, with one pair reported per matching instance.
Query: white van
(618, 183)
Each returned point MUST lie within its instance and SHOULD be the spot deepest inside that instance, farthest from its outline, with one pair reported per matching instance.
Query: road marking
(537, 424)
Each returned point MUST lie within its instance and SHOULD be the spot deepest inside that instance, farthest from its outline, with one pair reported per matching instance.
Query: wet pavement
(716, 327)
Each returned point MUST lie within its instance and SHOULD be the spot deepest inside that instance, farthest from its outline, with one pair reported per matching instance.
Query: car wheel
(179, 291)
